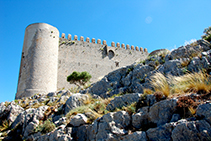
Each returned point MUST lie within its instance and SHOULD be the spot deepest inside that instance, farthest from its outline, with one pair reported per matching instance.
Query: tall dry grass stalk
(161, 83)
(192, 82)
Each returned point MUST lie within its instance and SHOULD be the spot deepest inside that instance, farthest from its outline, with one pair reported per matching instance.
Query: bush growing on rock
(79, 79)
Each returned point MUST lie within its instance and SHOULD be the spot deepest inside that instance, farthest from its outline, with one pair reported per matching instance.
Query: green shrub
(78, 78)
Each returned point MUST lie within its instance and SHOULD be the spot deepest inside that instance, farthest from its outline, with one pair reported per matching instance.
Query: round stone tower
(39, 62)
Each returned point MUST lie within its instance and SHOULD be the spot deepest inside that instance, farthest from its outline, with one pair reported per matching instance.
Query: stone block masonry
(47, 60)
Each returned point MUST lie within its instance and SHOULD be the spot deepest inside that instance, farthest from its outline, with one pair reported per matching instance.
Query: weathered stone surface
(204, 110)
(78, 120)
(140, 72)
(175, 117)
(63, 98)
(198, 64)
(61, 121)
(74, 101)
(100, 87)
(30, 115)
(2, 108)
(30, 128)
(189, 50)
(172, 67)
(140, 119)
(51, 94)
(12, 111)
(192, 130)
(109, 127)
(136, 136)
(161, 133)
(81, 133)
(121, 101)
(161, 112)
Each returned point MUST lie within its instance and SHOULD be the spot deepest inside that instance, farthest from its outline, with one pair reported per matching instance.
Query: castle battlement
(47, 59)
(75, 38)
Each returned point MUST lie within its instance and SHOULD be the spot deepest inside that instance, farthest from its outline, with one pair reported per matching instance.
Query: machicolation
(47, 60)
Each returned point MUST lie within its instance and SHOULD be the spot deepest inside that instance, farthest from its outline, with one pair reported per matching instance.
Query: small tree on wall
(79, 79)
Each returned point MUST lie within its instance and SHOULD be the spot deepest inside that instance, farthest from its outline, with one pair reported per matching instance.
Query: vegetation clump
(46, 127)
(79, 78)
(207, 34)
(198, 82)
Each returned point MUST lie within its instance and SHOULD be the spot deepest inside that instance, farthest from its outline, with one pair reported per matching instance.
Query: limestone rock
(74, 101)
(78, 120)
(81, 133)
(136, 136)
(61, 121)
(161, 133)
(172, 67)
(198, 64)
(204, 110)
(120, 101)
(140, 119)
(13, 111)
(193, 130)
(30, 128)
(109, 127)
(161, 112)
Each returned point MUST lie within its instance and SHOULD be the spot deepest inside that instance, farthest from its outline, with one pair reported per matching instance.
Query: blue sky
(151, 24)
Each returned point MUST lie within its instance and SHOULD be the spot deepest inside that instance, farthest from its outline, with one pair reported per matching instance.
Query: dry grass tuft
(148, 91)
(94, 108)
(191, 82)
(161, 83)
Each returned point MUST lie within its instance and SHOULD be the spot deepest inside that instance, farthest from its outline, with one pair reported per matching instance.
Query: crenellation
(104, 42)
(98, 41)
(87, 39)
(145, 50)
(127, 46)
(112, 44)
(123, 46)
(93, 40)
(75, 37)
(81, 38)
(141, 49)
(118, 44)
(69, 37)
(63, 35)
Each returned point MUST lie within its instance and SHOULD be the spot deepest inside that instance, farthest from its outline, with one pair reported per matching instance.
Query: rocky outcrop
(128, 114)
(135, 78)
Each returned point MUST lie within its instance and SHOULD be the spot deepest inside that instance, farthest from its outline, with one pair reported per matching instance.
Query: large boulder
(161, 112)
(140, 119)
(204, 110)
(192, 130)
(161, 133)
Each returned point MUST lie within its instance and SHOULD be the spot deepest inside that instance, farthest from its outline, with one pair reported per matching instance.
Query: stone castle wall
(96, 58)
(47, 60)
